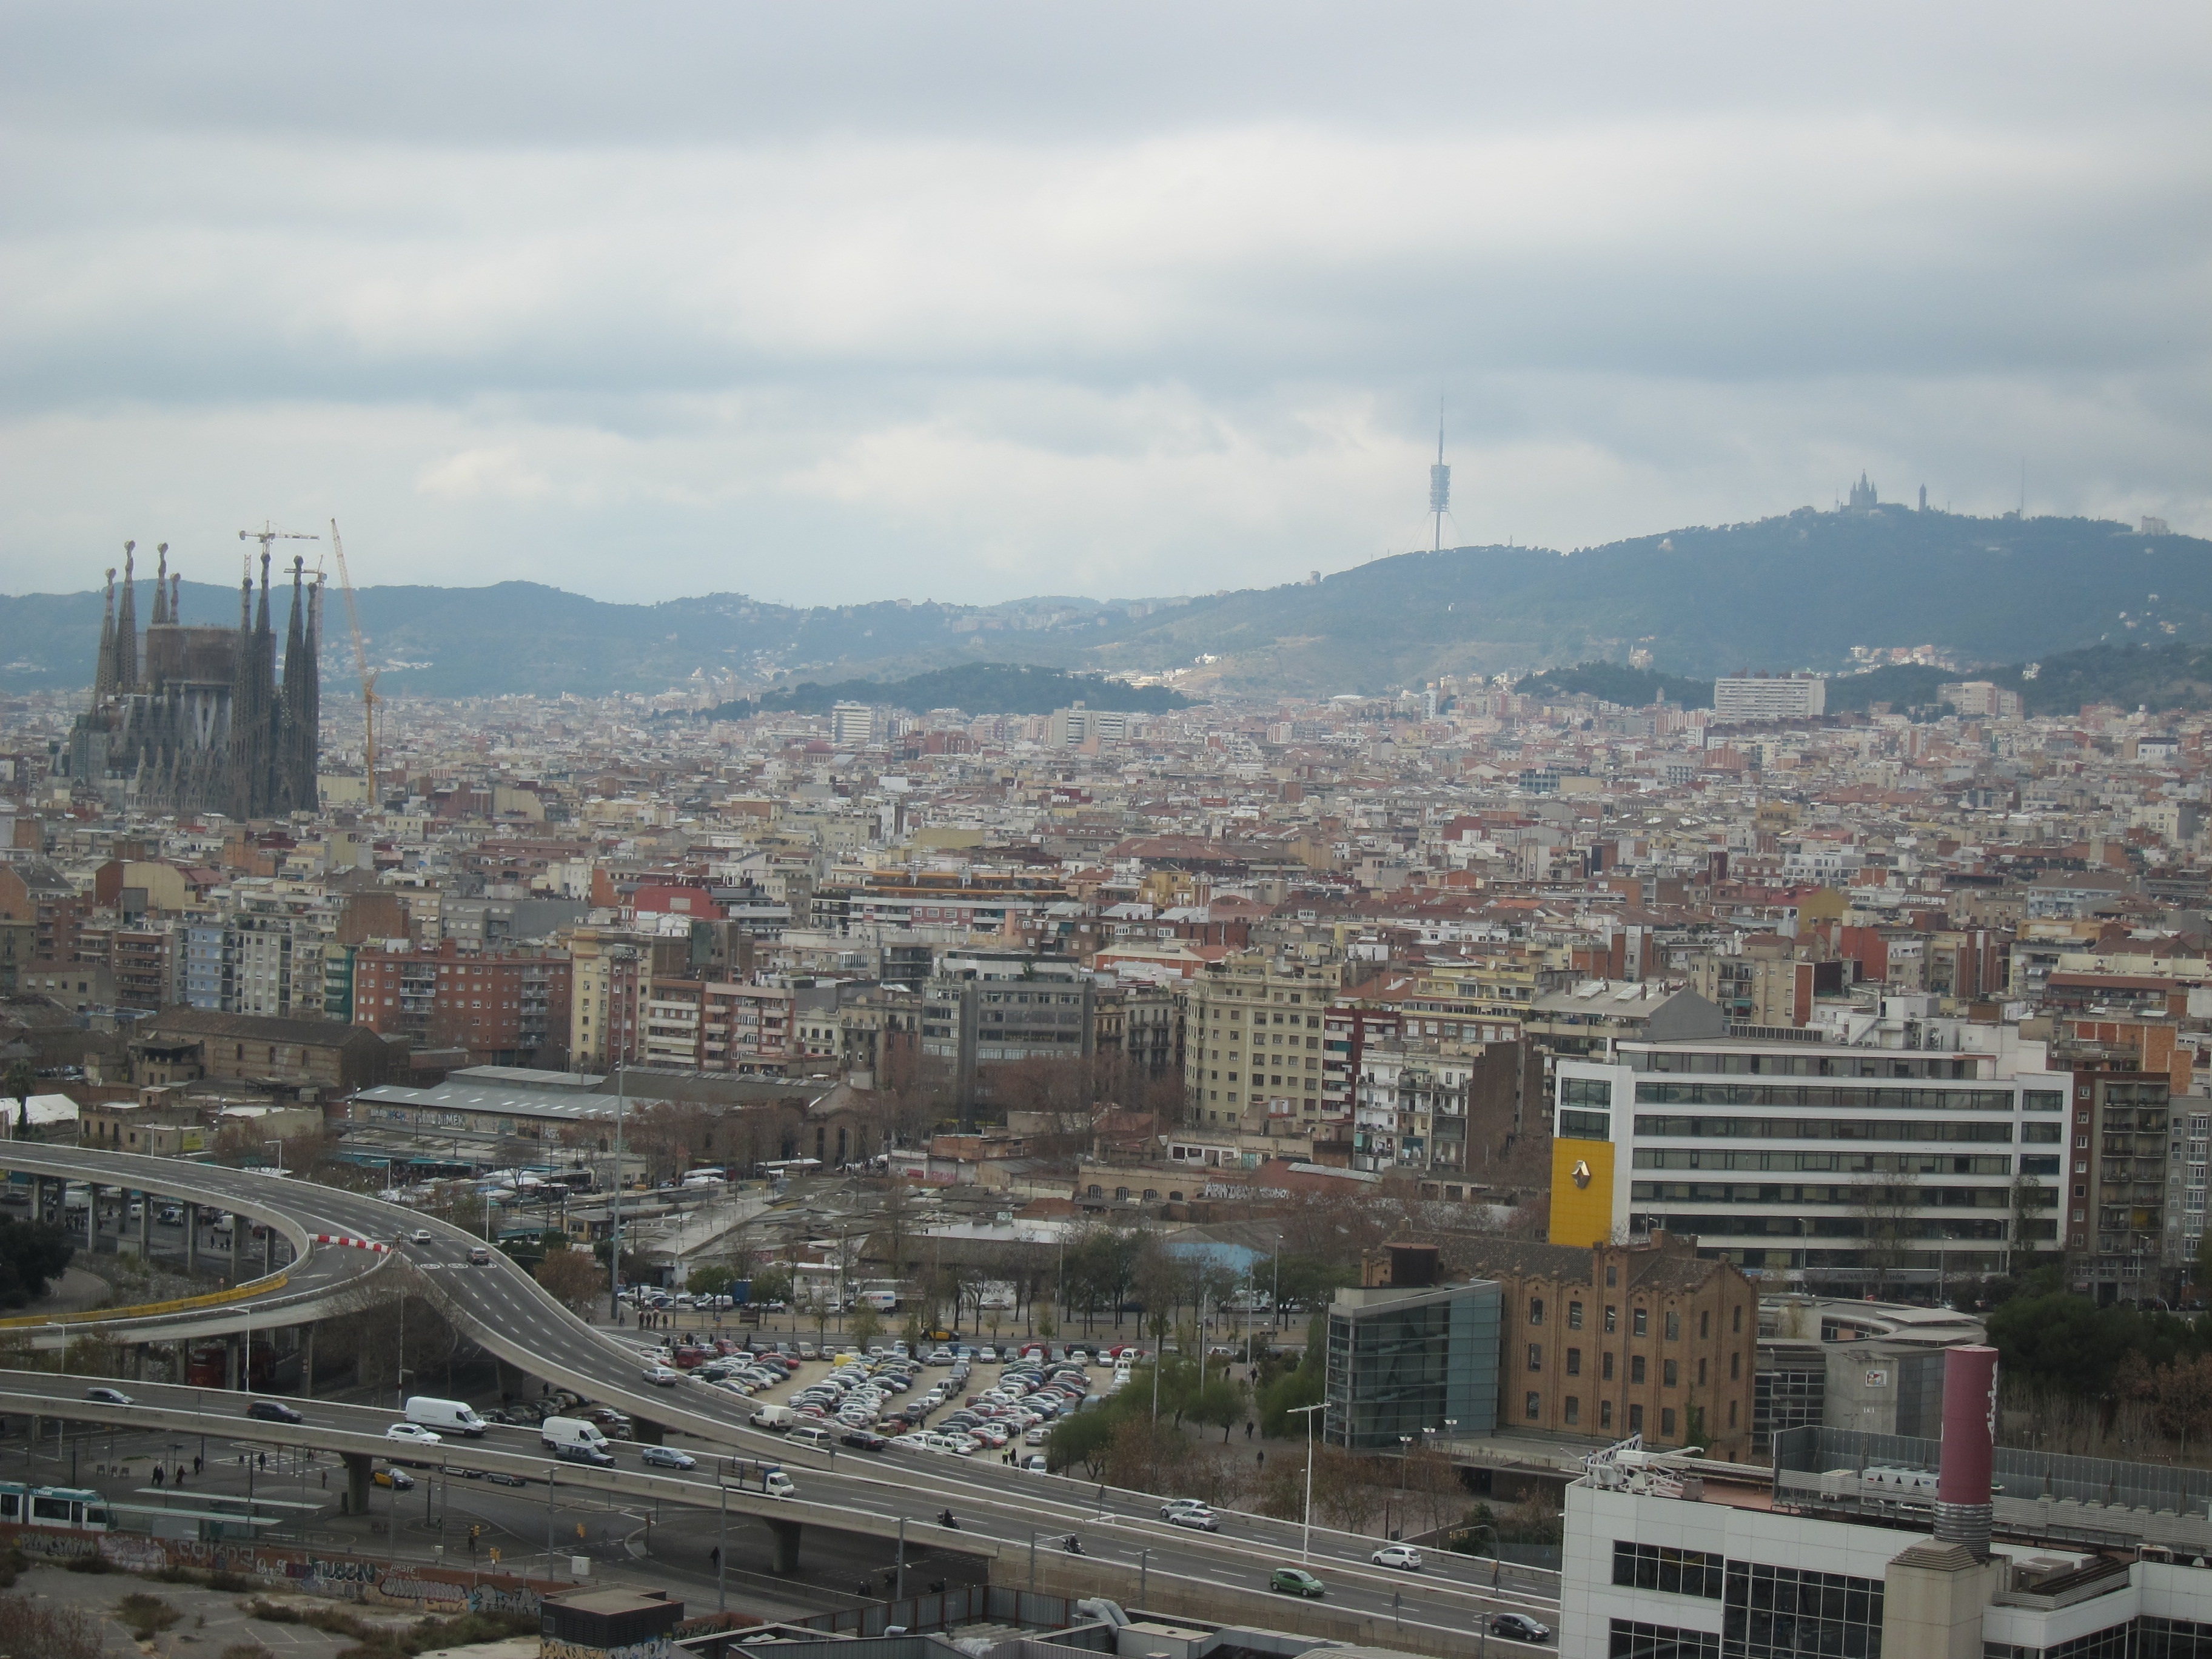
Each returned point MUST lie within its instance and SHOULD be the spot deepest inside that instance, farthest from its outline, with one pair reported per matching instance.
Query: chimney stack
(1963, 1507)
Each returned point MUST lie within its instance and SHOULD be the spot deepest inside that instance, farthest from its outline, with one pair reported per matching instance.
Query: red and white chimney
(1963, 1506)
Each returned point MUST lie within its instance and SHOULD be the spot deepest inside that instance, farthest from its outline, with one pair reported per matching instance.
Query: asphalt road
(506, 1310)
(990, 1503)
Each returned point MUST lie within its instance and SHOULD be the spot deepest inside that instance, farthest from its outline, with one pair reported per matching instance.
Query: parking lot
(963, 1399)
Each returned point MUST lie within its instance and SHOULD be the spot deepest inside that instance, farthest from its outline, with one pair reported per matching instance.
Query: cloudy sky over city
(974, 302)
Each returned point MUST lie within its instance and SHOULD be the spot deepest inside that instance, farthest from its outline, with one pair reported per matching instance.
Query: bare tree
(571, 1278)
(2030, 1198)
(1884, 1202)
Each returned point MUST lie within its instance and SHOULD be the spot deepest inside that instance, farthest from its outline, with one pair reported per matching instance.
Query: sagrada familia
(200, 723)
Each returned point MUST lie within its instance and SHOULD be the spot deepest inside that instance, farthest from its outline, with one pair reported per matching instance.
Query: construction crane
(268, 532)
(361, 660)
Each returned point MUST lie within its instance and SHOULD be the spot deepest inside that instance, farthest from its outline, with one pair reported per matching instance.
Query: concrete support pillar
(145, 1226)
(180, 1361)
(140, 1352)
(1935, 1596)
(268, 1251)
(191, 1237)
(307, 1365)
(231, 1355)
(357, 1483)
(786, 1534)
(647, 1433)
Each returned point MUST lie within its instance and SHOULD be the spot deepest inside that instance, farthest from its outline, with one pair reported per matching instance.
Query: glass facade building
(1405, 1360)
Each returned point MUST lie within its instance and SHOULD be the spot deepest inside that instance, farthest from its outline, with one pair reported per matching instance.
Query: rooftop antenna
(1440, 480)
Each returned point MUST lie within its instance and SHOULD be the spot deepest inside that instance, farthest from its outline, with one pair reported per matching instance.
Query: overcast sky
(847, 302)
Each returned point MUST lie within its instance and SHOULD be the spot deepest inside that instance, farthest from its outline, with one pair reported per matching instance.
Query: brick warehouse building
(1616, 1340)
(504, 1007)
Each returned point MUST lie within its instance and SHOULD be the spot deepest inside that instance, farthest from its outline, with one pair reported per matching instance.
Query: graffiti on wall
(553, 1646)
(313, 1572)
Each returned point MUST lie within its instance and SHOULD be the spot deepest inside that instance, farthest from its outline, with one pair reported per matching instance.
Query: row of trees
(1128, 1444)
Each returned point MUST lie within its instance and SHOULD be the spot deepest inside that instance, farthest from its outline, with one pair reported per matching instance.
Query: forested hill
(1797, 591)
(982, 688)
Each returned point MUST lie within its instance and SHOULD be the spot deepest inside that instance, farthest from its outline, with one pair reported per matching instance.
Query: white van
(559, 1431)
(775, 1416)
(811, 1434)
(446, 1416)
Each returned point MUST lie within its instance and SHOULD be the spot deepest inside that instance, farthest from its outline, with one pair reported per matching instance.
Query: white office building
(1833, 1166)
(1761, 698)
(852, 726)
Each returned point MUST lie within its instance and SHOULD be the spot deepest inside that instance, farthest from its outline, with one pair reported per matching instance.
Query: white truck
(559, 1431)
(446, 1416)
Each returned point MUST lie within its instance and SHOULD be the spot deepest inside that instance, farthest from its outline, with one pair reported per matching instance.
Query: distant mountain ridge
(1797, 591)
(981, 688)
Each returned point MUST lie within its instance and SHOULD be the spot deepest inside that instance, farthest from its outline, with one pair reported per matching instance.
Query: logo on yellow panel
(1581, 1173)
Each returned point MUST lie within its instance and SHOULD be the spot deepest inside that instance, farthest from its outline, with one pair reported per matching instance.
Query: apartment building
(1764, 984)
(1140, 1024)
(988, 1008)
(1348, 1027)
(503, 1008)
(609, 972)
(1435, 1105)
(270, 966)
(1757, 697)
(1255, 1037)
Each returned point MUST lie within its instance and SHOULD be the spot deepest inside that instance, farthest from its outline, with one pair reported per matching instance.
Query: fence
(2017, 1471)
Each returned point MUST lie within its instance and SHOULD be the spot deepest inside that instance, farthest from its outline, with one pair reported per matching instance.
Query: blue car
(666, 1457)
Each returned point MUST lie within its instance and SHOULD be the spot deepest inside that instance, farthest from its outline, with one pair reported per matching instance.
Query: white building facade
(1833, 1165)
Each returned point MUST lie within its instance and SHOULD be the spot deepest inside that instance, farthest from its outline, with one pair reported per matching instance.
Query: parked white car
(414, 1433)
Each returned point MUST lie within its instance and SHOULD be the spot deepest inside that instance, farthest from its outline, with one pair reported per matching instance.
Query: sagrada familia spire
(203, 724)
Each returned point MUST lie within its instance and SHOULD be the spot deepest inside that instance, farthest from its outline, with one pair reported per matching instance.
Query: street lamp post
(1405, 1461)
(614, 1255)
(1251, 1295)
(1305, 1544)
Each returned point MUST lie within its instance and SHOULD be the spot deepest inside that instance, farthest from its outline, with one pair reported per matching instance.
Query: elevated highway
(501, 1307)
(1011, 1519)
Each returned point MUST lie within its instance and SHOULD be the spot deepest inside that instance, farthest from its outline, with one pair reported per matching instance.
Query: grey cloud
(885, 299)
